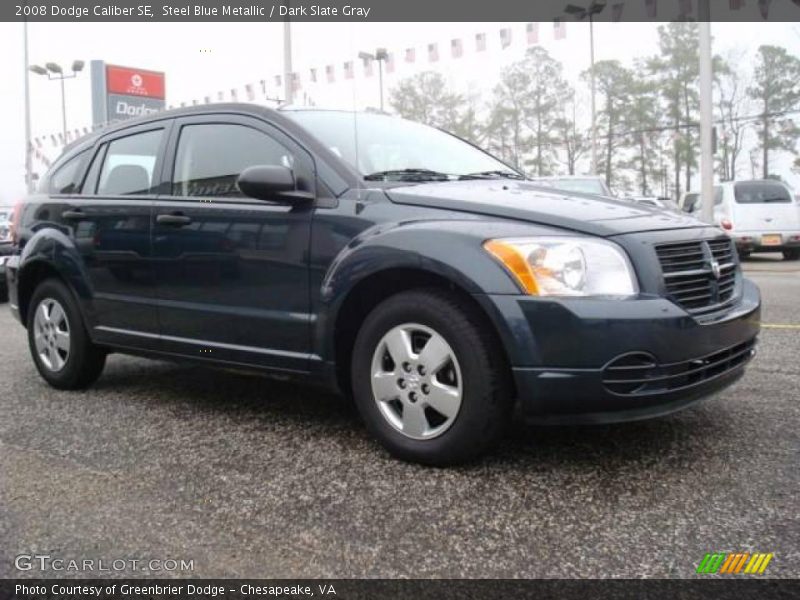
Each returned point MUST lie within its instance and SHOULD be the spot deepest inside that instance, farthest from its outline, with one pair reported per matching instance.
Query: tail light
(15, 219)
(726, 224)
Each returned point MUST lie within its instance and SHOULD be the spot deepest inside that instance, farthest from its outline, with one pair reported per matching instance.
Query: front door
(231, 271)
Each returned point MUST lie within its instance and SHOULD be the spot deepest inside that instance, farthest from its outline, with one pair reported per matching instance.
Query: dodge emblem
(716, 271)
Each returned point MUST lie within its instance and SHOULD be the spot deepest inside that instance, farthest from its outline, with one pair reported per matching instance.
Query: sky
(200, 59)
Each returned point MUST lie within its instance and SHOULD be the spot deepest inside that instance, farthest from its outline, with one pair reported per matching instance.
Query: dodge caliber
(387, 260)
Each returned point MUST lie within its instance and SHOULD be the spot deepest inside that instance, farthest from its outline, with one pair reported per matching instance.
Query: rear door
(110, 225)
(764, 207)
(232, 272)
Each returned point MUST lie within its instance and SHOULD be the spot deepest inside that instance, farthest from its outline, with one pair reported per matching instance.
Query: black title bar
(733, 588)
(397, 10)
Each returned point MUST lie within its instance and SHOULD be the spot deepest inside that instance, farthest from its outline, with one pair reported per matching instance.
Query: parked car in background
(6, 212)
(378, 257)
(586, 184)
(760, 215)
(658, 202)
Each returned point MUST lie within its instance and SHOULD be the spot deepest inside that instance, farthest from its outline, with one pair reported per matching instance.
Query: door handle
(73, 214)
(175, 219)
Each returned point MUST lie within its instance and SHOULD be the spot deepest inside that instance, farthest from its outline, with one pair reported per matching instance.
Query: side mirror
(273, 183)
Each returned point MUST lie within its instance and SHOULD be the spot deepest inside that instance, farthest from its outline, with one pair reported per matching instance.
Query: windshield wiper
(492, 175)
(407, 175)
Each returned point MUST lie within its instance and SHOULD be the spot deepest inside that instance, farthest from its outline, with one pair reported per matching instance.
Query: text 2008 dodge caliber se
(383, 258)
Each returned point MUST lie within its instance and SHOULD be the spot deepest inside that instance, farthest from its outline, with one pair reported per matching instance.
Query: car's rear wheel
(791, 254)
(743, 254)
(61, 349)
(428, 378)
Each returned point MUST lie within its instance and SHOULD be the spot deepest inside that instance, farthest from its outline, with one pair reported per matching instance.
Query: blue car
(383, 259)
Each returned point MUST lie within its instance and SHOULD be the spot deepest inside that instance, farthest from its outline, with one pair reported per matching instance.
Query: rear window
(761, 192)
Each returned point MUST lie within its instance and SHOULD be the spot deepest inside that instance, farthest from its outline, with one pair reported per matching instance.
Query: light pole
(380, 56)
(288, 77)
(55, 72)
(706, 112)
(28, 146)
(581, 13)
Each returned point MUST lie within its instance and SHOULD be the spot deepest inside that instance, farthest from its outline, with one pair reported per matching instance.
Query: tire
(744, 254)
(473, 369)
(791, 254)
(60, 346)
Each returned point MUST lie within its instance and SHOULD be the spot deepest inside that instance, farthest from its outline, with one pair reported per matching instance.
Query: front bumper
(598, 361)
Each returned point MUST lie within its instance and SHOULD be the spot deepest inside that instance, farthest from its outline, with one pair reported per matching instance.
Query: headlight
(566, 266)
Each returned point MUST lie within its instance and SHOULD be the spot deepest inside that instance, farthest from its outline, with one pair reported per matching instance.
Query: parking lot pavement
(251, 478)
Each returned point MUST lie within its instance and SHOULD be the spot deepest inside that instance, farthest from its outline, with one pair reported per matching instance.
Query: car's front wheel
(429, 378)
(61, 349)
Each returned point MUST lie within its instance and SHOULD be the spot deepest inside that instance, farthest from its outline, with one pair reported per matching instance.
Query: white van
(760, 215)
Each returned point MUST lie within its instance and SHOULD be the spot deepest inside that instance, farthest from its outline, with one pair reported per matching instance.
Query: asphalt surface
(252, 478)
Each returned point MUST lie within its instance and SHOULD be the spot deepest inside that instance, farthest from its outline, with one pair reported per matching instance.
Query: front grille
(640, 374)
(699, 276)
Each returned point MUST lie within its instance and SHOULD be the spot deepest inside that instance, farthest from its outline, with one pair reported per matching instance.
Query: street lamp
(380, 56)
(579, 12)
(55, 72)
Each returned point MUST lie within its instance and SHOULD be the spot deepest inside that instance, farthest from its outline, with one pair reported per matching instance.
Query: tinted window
(90, 181)
(211, 157)
(761, 192)
(129, 164)
(690, 202)
(64, 180)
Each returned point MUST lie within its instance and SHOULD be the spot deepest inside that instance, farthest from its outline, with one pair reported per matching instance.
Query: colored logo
(734, 563)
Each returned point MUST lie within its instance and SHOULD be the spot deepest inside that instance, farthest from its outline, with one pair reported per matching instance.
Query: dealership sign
(120, 93)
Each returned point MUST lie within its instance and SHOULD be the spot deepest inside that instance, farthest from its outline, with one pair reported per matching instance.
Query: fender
(53, 247)
(449, 249)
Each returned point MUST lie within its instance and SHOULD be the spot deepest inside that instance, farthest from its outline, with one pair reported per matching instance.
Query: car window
(374, 143)
(92, 175)
(64, 180)
(761, 192)
(211, 156)
(129, 164)
(690, 202)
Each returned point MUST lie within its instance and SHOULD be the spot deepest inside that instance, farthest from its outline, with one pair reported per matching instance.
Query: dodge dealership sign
(124, 92)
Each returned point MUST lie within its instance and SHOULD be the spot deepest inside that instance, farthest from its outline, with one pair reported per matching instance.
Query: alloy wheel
(416, 381)
(51, 334)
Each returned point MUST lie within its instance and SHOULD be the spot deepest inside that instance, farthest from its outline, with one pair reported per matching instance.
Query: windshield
(761, 192)
(585, 186)
(377, 144)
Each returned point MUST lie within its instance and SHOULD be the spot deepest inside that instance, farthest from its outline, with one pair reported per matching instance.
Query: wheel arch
(382, 284)
(51, 254)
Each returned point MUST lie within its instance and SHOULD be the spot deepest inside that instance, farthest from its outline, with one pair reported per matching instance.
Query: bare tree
(776, 90)
(574, 141)
(733, 103)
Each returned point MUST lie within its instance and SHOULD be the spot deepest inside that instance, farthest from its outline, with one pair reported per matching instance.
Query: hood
(529, 202)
